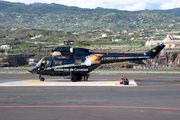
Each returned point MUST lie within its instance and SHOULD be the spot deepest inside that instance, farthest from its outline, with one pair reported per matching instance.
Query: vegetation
(169, 68)
(60, 17)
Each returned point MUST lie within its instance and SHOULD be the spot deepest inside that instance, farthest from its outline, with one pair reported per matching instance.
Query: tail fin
(154, 51)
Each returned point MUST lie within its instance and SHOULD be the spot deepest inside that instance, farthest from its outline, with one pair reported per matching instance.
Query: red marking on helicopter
(95, 57)
(123, 55)
(98, 57)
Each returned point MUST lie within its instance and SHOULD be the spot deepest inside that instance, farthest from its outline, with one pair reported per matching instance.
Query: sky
(130, 5)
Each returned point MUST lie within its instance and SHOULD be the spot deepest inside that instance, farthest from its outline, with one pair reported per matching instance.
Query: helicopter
(77, 63)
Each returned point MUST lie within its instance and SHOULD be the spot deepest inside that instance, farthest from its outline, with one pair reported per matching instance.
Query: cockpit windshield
(45, 62)
(39, 63)
(48, 63)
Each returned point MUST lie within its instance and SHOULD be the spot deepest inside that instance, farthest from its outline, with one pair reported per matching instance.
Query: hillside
(61, 17)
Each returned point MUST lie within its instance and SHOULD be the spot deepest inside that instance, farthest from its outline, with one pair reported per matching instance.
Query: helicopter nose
(30, 70)
(33, 69)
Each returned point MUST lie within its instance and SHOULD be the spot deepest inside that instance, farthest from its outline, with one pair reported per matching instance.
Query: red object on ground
(124, 81)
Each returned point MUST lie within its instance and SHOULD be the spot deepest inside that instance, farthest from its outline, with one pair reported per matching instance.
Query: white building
(5, 47)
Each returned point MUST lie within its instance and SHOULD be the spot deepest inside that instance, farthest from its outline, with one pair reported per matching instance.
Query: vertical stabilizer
(154, 51)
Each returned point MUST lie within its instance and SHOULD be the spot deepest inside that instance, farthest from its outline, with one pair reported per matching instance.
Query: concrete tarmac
(157, 96)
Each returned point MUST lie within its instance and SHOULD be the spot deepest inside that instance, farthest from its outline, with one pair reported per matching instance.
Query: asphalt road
(157, 96)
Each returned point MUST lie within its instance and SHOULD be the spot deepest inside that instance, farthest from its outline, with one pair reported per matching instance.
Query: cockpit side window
(43, 63)
(48, 63)
(39, 63)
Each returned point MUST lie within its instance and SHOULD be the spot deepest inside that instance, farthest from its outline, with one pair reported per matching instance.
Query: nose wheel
(41, 78)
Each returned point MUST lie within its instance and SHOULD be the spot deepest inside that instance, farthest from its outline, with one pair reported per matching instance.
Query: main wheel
(74, 78)
(79, 78)
(42, 79)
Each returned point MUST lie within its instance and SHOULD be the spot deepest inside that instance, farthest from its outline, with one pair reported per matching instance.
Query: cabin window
(66, 54)
(78, 62)
(57, 62)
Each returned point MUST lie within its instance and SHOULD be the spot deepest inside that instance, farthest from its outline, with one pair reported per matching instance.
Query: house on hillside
(125, 32)
(37, 36)
(5, 47)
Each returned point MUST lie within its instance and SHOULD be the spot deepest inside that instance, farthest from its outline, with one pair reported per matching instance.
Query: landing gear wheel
(79, 78)
(42, 79)
(74, 78)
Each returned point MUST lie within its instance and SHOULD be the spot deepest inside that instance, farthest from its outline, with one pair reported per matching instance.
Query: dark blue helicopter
(78, 62)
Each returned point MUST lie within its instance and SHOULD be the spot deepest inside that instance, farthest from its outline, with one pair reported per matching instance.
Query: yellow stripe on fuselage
(95, 57)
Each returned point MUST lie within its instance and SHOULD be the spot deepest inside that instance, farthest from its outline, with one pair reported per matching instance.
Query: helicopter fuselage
(79, 62)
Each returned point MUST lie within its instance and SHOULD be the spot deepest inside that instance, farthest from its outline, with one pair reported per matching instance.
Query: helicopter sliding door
(78, 62)
(58, 62)
(79, 57)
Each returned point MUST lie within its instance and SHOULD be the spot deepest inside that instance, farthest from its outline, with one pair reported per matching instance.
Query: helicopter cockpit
(44, 63)
(41, 65)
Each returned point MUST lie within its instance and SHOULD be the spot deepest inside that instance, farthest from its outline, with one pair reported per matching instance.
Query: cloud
(171, 4)
(134, 7)
(130, 5)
